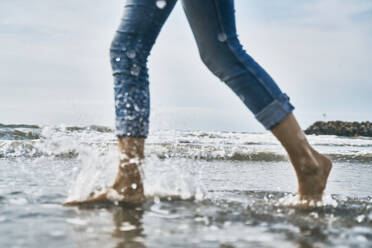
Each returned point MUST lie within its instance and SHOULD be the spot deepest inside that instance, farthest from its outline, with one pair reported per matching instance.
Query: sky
(54, 63)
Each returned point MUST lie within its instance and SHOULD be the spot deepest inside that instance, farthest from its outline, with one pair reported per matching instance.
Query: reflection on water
(107, 226)
(128, 227)
(258, 219)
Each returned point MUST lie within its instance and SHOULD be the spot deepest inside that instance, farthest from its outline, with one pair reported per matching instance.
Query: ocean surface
(204, 189)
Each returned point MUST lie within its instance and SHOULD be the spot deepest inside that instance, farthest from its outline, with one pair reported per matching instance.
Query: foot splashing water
(203, 189)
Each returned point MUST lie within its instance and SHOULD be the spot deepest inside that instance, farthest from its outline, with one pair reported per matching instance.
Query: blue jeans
(213, 25)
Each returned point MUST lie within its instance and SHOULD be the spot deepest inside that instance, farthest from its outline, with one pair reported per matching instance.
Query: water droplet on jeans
(136, 108)
(130, 117)
(131, 54)
(117, 59)
(222, 37)
(161, 4)
(135, 70)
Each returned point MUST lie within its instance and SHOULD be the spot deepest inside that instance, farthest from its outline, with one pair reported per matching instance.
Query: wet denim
(213, 25)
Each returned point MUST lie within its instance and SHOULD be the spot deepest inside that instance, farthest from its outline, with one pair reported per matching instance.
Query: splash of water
(162, 178)
(293, 200)
(173, 177)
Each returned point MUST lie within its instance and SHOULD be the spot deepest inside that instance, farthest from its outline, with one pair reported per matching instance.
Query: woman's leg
(312, 168)
(213, 25)
(141, 23)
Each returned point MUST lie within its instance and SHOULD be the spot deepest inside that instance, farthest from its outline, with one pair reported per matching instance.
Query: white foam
(172, 178)
(161, 177)
(126, 226)
(97, 173)
(77, 221)
(114, 196)
(294, 200)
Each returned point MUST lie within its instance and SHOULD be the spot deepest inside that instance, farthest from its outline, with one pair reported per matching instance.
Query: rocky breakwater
(341, 128)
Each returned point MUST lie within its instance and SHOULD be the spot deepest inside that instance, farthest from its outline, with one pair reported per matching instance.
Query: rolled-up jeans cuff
(275, 112)
(133, 128)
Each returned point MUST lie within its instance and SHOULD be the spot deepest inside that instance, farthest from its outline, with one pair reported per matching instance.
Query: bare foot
(312, 174)
(312, 168)
(128, 186)
(111, 196)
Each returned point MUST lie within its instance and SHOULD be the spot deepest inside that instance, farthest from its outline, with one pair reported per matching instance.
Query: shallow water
(231, 190)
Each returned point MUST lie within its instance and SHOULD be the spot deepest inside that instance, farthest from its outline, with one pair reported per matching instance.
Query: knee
(207, 59)
(222, 58)
(128, 57)
(212, 62)
(122, 48)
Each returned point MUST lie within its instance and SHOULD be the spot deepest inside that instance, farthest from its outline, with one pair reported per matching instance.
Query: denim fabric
(213, 25)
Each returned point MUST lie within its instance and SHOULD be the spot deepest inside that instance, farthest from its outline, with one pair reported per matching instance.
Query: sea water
(204, 189)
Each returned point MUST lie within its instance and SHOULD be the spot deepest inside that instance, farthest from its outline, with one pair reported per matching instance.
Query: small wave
(67, 142)
(33, 132)
(361, 158)
(18, 135)
(18, 126)
(65, 150)
(19, 132)
(101, 129)
(344, 145)
(192, 151)
(17, 149)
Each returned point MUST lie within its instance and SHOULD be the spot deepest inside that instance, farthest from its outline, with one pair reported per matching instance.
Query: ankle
(305, 161)
(131, 148)
(129, 178)
(130, 173)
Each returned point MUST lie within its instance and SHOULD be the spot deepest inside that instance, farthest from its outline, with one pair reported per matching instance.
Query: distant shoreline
(341, 128)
